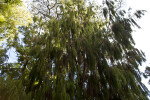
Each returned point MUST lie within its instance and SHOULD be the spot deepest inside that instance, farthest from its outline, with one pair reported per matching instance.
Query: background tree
(79, 50)
(147, 73)
(12, 15)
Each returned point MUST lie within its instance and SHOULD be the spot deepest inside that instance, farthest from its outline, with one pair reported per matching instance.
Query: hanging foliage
(73, 51)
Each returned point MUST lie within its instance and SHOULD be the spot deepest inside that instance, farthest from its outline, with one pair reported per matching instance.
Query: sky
(141, 36)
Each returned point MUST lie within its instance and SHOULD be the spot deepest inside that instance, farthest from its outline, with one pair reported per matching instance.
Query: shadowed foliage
(75, 50)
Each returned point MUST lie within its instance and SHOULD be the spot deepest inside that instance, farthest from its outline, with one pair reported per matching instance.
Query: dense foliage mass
(12, 14)
(74, 50)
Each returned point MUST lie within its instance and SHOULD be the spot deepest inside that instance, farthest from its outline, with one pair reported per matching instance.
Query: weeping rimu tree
(75, 50)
